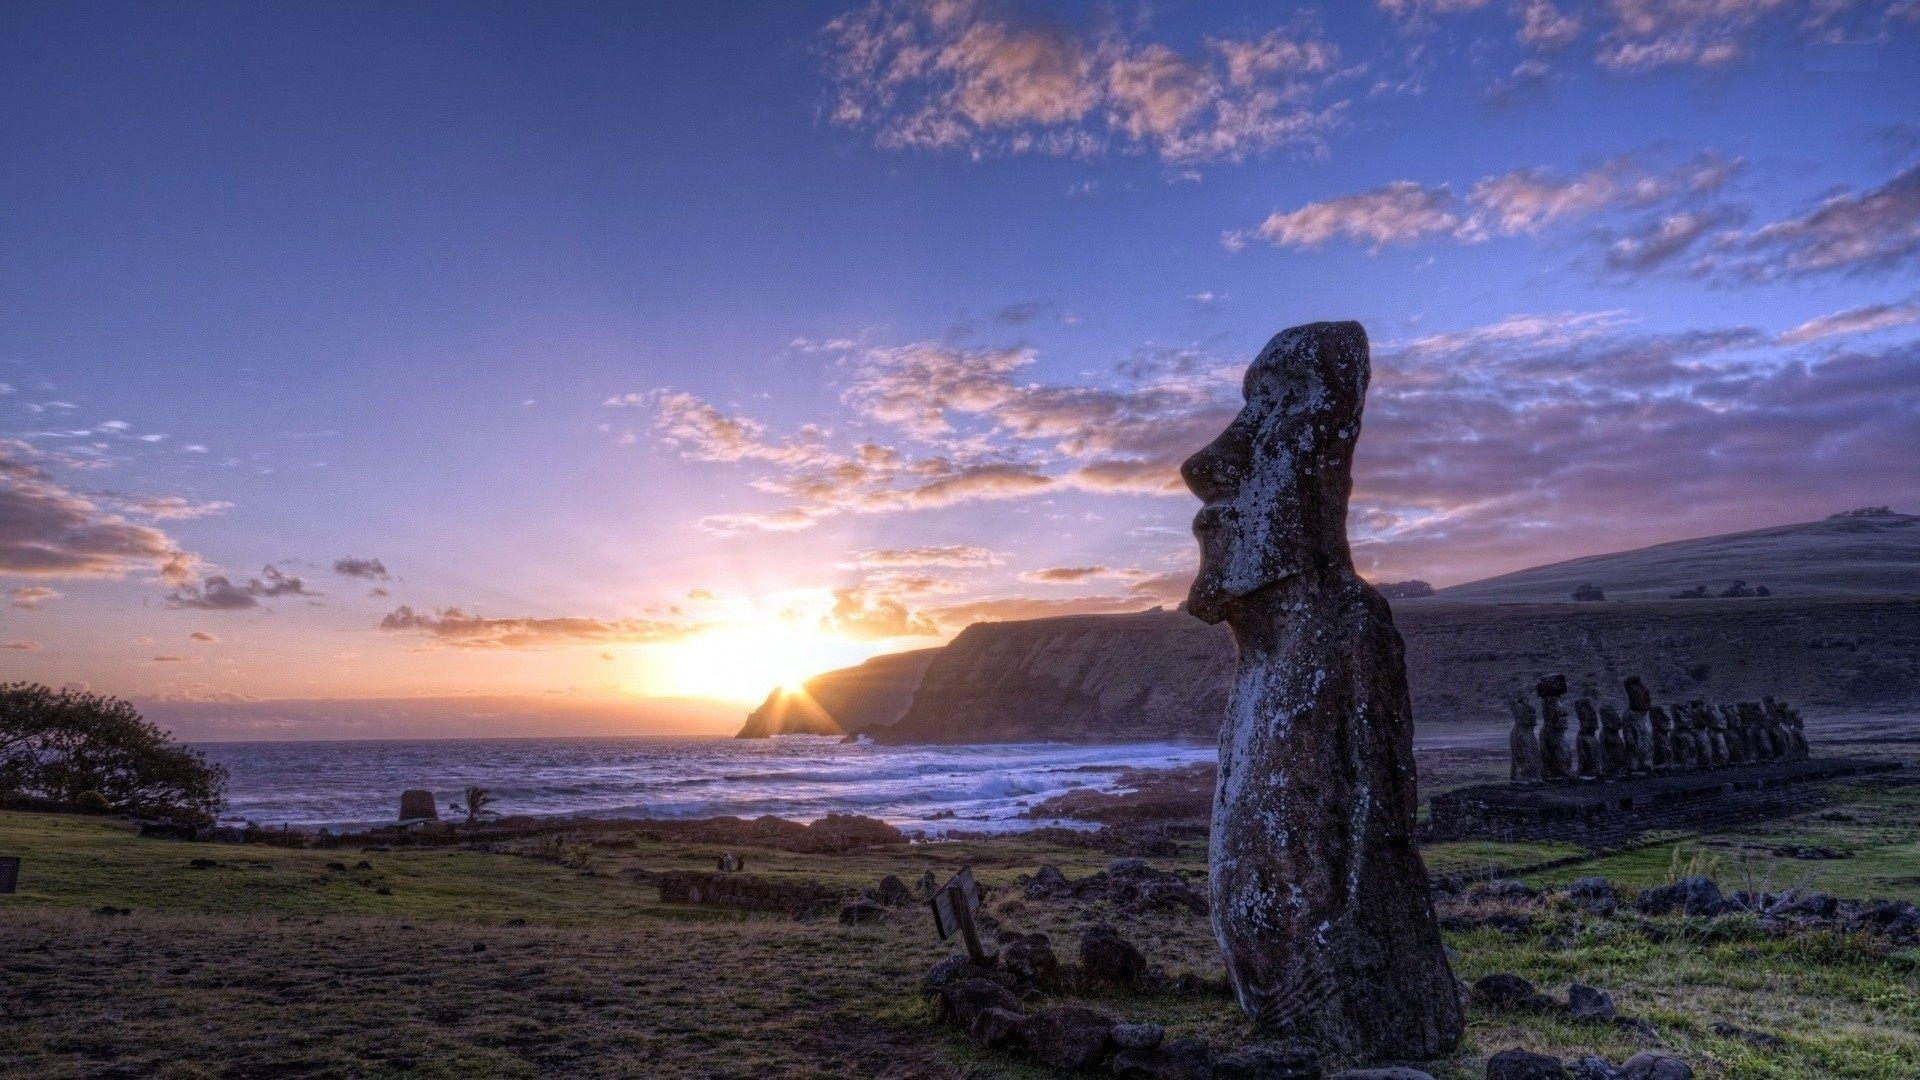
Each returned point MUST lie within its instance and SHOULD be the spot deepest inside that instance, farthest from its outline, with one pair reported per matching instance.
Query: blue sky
(635, 339)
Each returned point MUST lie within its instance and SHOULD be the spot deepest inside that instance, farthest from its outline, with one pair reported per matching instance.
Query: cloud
(217, 592)
(370, 569)
(1011, 608)
(454, 628)
(164, 507)
(29, 597)
(203, 637)
(701, 432)
(1663, 240)
(860, 614)
(949, 556)
(48, 530)
(22, 645)
(946, 75)
(1859, 320)
(168, 660)
(1848, 233)
(1056, 575)
(1520, 202)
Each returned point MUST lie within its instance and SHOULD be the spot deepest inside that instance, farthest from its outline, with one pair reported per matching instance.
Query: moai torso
(1589, 754)
(1616, 743)
(1686, 753)
(1796, 732)
(1556, 757)
(1733, 732)
(1661, 744)
(1716, 736)
(1523, 743)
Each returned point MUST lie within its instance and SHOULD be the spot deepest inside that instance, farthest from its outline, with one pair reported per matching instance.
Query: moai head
(1276, 481)
(1589, 720)
(1638, 699)
(1522, 710)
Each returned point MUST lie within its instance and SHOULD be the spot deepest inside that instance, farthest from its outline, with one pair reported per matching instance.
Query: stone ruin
(1648, 739)
(1319, 898)
(417, 805)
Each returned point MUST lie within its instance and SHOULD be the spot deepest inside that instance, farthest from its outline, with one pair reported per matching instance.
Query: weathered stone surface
(1589, 754)
(1525, 1065)
(1523, 743)
(999, 1029)
(892, 892)
(1588, 1003)
(1385, 1072)
(1069, 1037)
(1267, 1063)
(1181, 1059)
(417, 803)
(1106, 957)
(1141, 1036)
(966, 999)
(1649, 1065)
(1507, 991)
(1130, 885)
(1030, 959)
(1556, 756)
(1690, 896)
(1320, 900)
(1592, 1067)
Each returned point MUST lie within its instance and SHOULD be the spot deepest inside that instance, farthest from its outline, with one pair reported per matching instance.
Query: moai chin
(1556, 760)
(1320, 900)
(1523, 744)
(1616, 743)
(1589, 755)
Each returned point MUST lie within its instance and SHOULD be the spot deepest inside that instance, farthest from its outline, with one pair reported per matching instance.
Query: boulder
(893, 892)
(1106, 957)
(1505, 990)
(1592, 1067)
(953, 969)
(1047, 881)
(1690, 896)
(1260, 1062)
(1525, 1065)
(1649, 1065)
(862, 913)
(1181, 1059)
(1587, 1003)
(965, 1000)
(1030, 959)
(1069, 1037)
(1505, 890)
(999, 1029)
(416, 804)
(1594, 894)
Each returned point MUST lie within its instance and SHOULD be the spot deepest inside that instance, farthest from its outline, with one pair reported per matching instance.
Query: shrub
(97, 752)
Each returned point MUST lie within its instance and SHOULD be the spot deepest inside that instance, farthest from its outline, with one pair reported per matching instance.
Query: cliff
(1164, 675)
(847, 701)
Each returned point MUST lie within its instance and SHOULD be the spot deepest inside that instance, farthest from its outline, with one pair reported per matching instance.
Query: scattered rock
(1106, 957)
(1761, 1039)
(1069, 1037)
(1691, 896)
(729, 863)
(1030, 959)
(1593, 894)
(893, 892)
(1128, 884)
(1505, 890)
(966, 999)
(1267, 1063)
(1525, 1065)
(1587, 1003)
(1142, 1036)
(1648, 1065)
(1508, 923)
(203, 864)
(862, 913)
(956, 968)
(999, 1029)
(1181, 1059)
(1592, 1067)
(1505, 990)
(1385, 1072)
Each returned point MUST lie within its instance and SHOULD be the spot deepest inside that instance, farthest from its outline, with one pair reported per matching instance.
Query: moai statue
(1616, 742)
(1752, 739)
(1320, 900)
(1640, 719)
(1589, 756)
(1556, 758)
(1773, 744)
(1686, 753)
(1523, 743)
(1715, 734)
(1707, 750)
(1727, 722)
(1660, 746)
(1796, 726)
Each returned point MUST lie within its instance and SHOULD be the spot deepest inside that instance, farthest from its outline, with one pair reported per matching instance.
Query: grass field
(547, 957)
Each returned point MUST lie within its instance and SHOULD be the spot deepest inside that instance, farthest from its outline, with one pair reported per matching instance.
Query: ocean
(920, 788)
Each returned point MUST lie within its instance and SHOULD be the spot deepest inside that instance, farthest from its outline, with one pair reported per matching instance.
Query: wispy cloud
(217, 592)
(50, 530)
(1859, 320)
(455, 628)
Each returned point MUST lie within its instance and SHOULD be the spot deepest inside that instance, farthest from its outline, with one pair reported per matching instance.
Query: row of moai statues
(1649, 738)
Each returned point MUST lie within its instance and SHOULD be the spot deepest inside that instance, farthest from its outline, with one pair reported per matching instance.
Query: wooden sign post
(953, 908)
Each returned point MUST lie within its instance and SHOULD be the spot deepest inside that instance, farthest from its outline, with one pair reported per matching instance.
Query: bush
(96, 752)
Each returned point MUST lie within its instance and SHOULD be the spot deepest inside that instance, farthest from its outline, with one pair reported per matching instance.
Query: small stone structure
(418, 805)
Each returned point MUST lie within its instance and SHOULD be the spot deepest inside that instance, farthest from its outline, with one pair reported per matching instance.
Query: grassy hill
(1856, 554)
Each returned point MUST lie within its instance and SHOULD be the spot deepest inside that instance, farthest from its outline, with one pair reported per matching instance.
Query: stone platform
(1605, 812)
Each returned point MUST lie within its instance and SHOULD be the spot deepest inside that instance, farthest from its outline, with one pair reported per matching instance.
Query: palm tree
(475, 801)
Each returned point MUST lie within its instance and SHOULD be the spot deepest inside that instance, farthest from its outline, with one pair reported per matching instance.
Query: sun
(742, 662)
